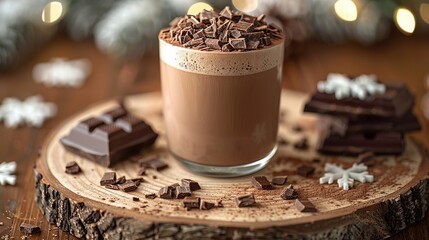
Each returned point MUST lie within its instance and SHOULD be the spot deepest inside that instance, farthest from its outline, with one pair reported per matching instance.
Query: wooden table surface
(400, 58)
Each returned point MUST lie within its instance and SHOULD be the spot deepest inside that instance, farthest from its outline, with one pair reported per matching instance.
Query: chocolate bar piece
(245, 200)
(394, 102)
(110, 137)
(279, 180)
(206, 205)
(29, 228)
(289, 193)
(355, 144)
(305, 170)
(261, 182)
(406, 123)
(191, 184)
(304, 205)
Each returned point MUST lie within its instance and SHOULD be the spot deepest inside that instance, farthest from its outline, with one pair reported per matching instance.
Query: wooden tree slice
(77, 203)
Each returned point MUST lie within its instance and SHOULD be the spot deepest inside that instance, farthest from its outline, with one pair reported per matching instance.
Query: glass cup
(221, 109)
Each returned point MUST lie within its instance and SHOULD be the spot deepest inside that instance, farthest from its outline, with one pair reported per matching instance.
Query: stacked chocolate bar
(364, 115)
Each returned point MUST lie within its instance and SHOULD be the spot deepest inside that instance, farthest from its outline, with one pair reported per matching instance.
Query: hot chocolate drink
(221, 107)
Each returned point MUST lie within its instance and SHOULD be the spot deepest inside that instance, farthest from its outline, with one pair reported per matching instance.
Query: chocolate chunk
(136, 199)
(191, 184)
(289, 193)
(150, 196)
(29, 228)
(279, 180)
(245, 200)
(154, 163)
(266, 41)
(127, 187)
(394, 102)
(355, 144)
(252, 45)
(304, 205)
(206, 205)
(248, 18)
(227, 48)
(194, 42)
(213, 43)
(191, 202)
(72, 168)
(301, 144)
(108, 178)
(226, 12)
(305, 170)
(93, 137)
(198, 35)
(219, 203)
(111, 186)
(261, 28)
(254, 36)
(235, 33)
(121, 180)
(137, 180)
(167, 192)
(182, 192)
(238, 43)
(142, 171)
(261, 182)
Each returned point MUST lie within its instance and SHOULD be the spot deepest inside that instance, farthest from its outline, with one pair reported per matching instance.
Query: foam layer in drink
(222, 63)
(217, 115)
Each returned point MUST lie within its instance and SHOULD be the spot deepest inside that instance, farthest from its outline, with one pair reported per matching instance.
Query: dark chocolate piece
(289, 193)
(29, 228)
(395, 102)
(136, 199)
(191, 184)
(305, 170)
(211, 31)
(301, 144)
(304, 205)
(108, 178)
(245, 200)
(127, 187)
(150, 196)
(155, 164)
(182, 192)
(121, 180)
(110, 137)
(72, 168)
(238, 43)
(279, 180)
(261, 182)
(355, 144)
(206, 205)
(137, 180)
(191, 202)
(167, 192)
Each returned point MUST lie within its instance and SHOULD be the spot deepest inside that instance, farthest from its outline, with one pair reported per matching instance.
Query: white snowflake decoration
(32, 111)
(346, 177)
(361, 87)
(62, 73)
(7, 171)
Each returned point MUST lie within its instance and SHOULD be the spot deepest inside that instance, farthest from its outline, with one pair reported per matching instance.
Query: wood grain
(399, 58)
(379, 200)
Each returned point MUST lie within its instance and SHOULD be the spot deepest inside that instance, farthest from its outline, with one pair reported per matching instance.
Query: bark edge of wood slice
(77, 204)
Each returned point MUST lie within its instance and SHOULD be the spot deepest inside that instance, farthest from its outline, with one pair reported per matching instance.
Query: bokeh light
(404, 20)
(346, 10)
(52, 12)
(245, 5)
(424, 12)
(198, 7)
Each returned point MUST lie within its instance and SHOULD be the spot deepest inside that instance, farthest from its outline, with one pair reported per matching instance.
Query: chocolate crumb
(304, 205)
(245, 200)
(279, 180)
(29, 228)
(219, 203)
(72, 168)
(305, 170)
(261, 182)
(108, 178)
(136, 199)
(289, 193)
